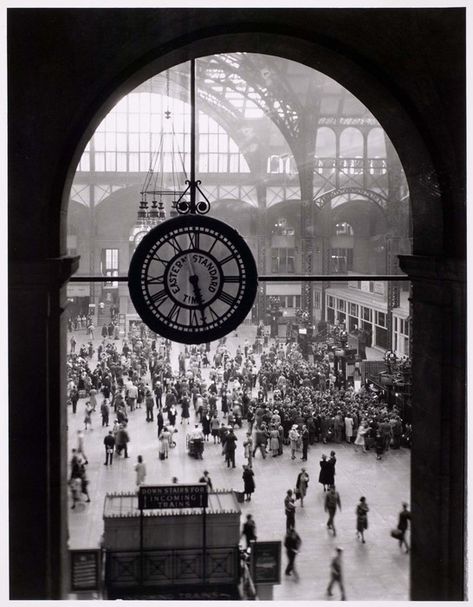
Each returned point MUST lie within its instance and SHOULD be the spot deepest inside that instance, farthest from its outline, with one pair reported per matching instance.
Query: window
(341, 260)
(109, 265)
(367, 314)
(352, 309)
(283, 261)
(380, 319)
(341, 304)
(317, 299)
(330, 302)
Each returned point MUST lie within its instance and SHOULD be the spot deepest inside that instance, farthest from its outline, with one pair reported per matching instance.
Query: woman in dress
(164, 442)
(274, 440)
(140, 470)
(360, 437)
(249, 482)
(361, 519)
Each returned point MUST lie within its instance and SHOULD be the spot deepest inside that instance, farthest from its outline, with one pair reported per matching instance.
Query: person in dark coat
(74, 396)
(332, 461)
(160, 421)
(206, 426)
(292, 543)
(230, 448)
(249, 482)
(305, 442)
(185, 404)
(249, 530)
(109, 443)
(326, 472)
(361, 511)
(403, 524)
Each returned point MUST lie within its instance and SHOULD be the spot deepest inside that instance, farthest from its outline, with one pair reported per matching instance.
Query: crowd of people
(285, 402)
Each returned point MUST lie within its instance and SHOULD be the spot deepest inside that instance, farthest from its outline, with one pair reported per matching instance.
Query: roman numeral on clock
(159, 297)
(155, 280)
(173, 314)
(226, 298)
(234, 279)
(175, 245)
(227, 259)
(163, 261)
(213, 314)
(194, 240)
(194, 318)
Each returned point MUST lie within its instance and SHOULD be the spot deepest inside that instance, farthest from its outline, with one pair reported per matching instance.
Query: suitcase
(240, 497)
(396, 534)
(161, 456)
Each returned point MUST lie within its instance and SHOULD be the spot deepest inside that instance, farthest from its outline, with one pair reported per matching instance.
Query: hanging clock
(192, 279)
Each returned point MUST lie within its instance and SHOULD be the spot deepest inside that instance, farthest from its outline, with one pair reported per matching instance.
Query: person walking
(249, 482)
(292, 543)
(332, 500)
(336, 574)
(140, 470)
(149, 404)
(105, 412)
(88, 416)
(403, 525)
(80, 446)
(84, 482)
(74, 396)
(261, 440)
(160, 421)
(121, 440)
(302, 483)
(362, 510)
(249, 530)
(290, 510)
(109, 442)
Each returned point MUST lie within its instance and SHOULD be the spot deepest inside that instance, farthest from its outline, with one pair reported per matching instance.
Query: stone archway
(142, 42)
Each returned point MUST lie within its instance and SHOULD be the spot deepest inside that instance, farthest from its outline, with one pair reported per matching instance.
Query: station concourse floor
(377, 570)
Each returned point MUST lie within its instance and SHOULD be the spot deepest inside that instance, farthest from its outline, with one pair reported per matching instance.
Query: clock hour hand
(194, 280)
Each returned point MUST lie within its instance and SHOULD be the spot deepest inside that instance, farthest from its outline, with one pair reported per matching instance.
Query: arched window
(376, 151)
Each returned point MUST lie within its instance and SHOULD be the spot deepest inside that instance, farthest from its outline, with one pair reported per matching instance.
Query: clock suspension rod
(192, 184)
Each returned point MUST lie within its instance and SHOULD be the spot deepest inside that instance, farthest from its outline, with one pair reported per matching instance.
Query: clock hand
(194, 280)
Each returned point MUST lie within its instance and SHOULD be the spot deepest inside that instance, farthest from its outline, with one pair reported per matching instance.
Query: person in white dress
(360, 437)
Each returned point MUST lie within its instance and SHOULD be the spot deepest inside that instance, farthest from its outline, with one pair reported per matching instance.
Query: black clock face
(192, 279)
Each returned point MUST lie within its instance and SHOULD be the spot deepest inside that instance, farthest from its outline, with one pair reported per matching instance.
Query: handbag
(396, 534)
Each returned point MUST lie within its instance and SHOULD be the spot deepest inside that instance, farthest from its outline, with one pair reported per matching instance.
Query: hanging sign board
(266, 562)
(85, 569)
(160, 497)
